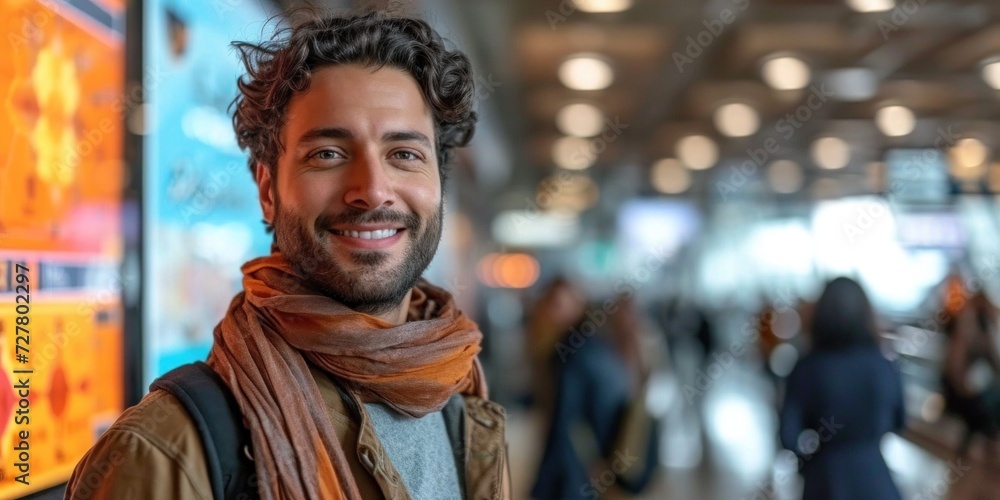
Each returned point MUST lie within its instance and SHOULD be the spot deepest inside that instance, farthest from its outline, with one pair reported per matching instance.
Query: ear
(265, 190)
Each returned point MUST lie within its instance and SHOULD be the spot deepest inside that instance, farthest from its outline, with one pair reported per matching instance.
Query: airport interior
(660, 204)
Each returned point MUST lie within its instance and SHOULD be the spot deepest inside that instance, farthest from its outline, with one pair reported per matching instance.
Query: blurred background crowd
(718, 249)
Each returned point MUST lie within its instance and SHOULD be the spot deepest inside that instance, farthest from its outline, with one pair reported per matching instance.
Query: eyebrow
(343, 133)
(407, 135)
(326, 133)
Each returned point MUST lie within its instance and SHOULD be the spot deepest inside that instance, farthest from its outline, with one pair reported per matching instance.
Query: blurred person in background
(689, 334)
(840, 399)
(705, 334)
(805, 309)
(630, 332)
(767, 339)
(954, 295)
(559, 307)
(352, 377)
(971, 366)
(600, 371)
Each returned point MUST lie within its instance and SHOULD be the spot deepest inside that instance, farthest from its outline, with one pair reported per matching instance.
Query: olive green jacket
(154, 452)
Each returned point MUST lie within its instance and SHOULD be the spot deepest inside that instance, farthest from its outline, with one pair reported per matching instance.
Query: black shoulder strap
(219, 421)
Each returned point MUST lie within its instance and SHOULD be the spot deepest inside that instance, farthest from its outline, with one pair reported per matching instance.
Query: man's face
(356, 200)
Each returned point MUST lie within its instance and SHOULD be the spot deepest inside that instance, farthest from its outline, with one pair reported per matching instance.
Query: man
(355, 378)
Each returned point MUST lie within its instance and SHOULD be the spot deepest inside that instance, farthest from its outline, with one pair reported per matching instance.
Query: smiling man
(349, 375)
(357, 198)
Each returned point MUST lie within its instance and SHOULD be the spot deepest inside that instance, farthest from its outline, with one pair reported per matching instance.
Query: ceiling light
(895, 121)
(969, 152)
(785, 176)
(736, 120)
(991, 73)
(574, 193)
(871, 5)
(697, 152)
(573, 153)
(602, 6)
(581, 120)
(669, 176)
(585, 73)
(831, 153)
(786, 73)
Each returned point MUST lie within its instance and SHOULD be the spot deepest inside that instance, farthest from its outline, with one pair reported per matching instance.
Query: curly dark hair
(279, 68)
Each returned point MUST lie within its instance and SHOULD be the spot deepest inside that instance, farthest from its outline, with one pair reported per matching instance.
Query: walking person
(841, 399)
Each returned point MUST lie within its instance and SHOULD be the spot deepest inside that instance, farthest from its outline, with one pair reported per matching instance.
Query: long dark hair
(843, 317)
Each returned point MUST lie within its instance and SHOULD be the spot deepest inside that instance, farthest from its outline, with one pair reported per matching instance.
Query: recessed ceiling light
(586, 73)
(871, 5)
(831, 153)
(601, 6)
(669, 176)
(573, 153)
(697, 152)
(786, 73)
(581, 120)
(736, 120)
(969, 152)
(895, 121)
(991, 73)
(785, 176)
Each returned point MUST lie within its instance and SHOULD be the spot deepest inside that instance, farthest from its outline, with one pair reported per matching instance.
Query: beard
(370, 284)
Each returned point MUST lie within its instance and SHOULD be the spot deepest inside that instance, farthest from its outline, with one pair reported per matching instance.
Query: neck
(396, 315)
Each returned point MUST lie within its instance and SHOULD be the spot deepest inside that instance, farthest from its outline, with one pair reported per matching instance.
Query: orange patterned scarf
(278, 322)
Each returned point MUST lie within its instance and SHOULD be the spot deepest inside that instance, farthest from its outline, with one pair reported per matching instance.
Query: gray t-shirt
(420, 450)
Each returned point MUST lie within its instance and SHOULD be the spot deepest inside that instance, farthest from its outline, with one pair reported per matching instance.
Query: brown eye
(327, 154)
(405, 155)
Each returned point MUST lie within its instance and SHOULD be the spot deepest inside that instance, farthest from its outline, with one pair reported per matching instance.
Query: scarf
(278, 322)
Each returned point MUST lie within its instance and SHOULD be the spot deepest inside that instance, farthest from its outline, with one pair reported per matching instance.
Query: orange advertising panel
(61, 175)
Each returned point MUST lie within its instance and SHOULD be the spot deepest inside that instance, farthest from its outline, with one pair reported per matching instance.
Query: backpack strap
(219, 421)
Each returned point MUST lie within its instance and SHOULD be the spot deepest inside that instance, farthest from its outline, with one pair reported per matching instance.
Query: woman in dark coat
(841, 399)
(597, 377)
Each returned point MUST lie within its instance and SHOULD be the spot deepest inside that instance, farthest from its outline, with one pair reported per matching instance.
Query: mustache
(354, 215)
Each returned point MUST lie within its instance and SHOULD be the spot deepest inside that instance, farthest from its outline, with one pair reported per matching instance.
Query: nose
(368, 183)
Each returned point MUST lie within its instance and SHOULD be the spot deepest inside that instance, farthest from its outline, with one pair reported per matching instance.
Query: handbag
(638, 433)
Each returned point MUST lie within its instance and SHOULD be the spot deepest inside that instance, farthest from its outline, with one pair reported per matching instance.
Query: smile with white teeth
(368, 235)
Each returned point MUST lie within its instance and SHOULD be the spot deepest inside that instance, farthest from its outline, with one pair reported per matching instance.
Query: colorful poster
(202, 218)
(61, 174)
